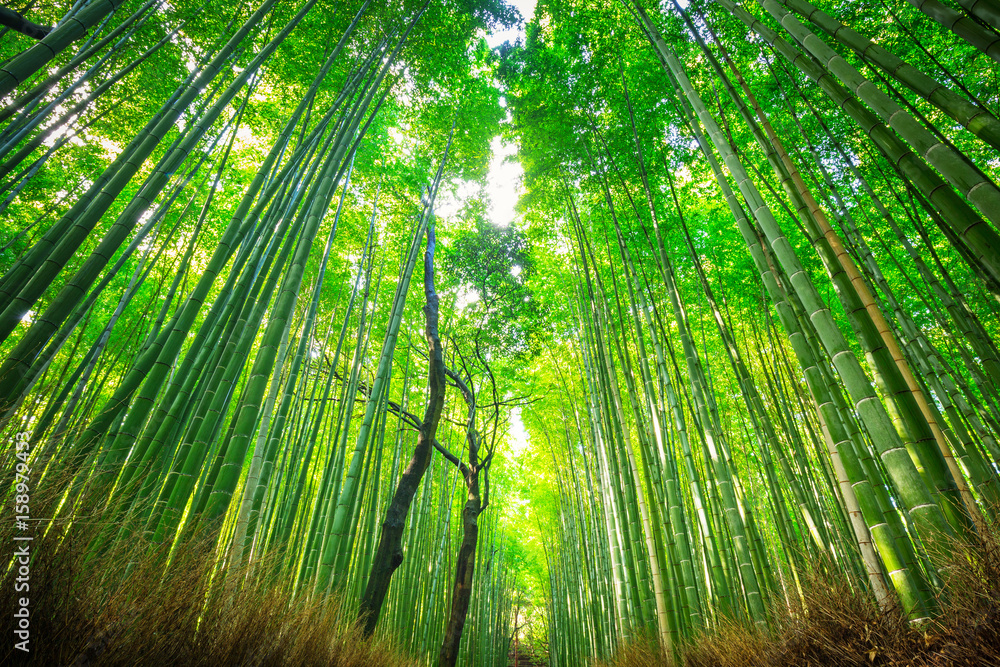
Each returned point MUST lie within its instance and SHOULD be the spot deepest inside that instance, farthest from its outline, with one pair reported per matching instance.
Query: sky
(503, 187)
(527, 9)
(504, 179)
(505, 176)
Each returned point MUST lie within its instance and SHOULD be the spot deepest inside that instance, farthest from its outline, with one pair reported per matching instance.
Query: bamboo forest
(489, 333)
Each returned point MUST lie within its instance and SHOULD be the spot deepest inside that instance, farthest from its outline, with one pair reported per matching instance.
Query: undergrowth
(839, 625)
(122, 606)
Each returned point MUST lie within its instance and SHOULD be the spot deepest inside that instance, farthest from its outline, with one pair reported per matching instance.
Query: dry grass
(842, 627)
(123, 607)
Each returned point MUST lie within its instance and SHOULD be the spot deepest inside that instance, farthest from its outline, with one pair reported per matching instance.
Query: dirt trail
(525, 658)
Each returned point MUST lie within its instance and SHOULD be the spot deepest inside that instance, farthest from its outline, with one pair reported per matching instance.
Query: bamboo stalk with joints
(911, 413)
(976, 119)
(913, 599)
(961, 220)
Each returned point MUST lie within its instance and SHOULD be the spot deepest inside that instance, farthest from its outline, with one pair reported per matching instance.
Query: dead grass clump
(841, 625)
(641, 653)
(731, 644)
(967, 631)
(122, 606)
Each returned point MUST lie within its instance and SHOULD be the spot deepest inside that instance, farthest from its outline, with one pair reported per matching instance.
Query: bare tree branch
(16, 21)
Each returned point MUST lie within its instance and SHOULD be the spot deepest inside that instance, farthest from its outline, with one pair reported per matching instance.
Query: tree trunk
(389, 554)
(466, 562)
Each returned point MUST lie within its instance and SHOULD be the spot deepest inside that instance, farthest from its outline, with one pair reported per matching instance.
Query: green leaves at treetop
(492, 268)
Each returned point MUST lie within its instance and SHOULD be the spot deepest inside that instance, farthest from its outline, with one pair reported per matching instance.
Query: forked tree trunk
(389, 554)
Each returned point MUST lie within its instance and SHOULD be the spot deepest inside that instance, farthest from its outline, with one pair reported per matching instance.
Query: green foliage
(491, 267)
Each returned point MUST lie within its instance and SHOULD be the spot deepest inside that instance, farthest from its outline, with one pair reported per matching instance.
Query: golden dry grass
(842, 626)
(123, 607)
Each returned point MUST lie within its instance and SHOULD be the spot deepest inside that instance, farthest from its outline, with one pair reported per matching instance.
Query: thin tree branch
(16, 21)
